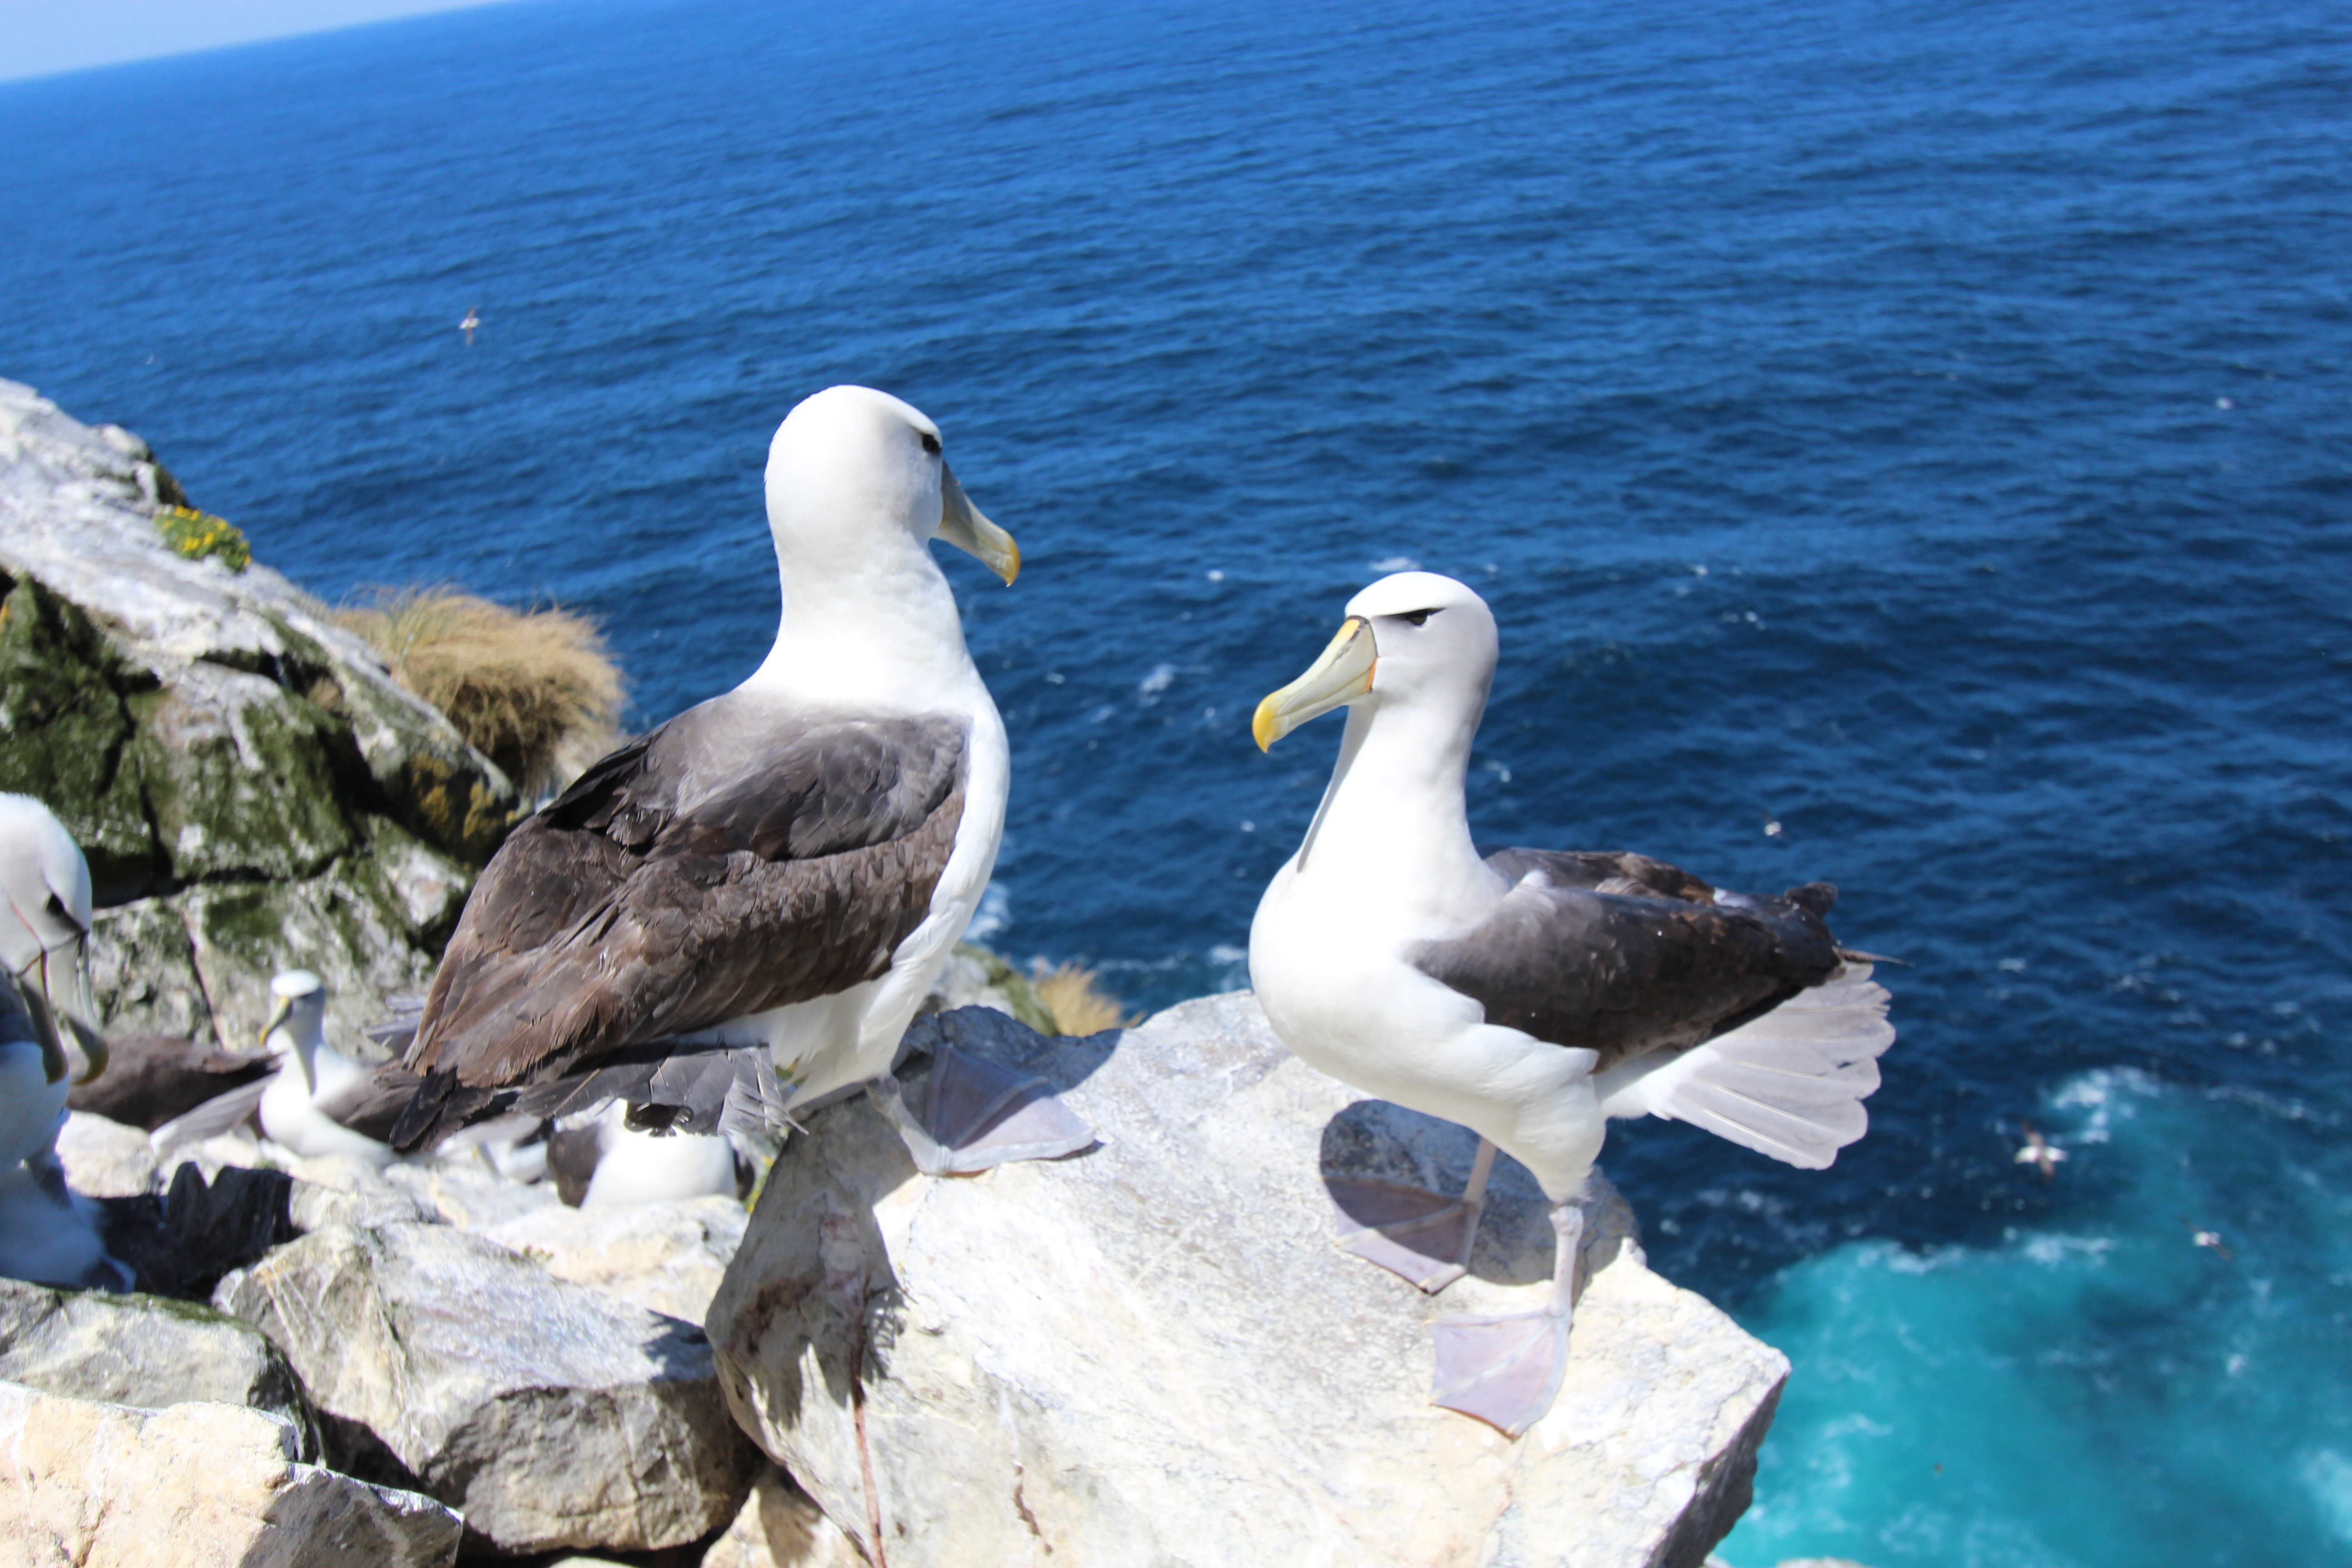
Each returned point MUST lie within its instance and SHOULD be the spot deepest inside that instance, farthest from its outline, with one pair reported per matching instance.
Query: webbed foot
(1410, 1231)
(1505, 1368)
(977, 1115)
(1423, 1236)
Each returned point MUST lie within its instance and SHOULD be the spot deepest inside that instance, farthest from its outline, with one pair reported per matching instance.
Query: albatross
(765, 886)
(45, 918)
(1529, 995)
(311, 1098)
(48, 1234)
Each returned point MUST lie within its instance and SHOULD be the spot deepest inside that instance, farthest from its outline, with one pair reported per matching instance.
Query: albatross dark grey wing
(737, 860)
(1735, 1013)
(1628, 956)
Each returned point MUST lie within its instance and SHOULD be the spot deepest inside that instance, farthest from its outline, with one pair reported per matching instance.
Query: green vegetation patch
(199, 534)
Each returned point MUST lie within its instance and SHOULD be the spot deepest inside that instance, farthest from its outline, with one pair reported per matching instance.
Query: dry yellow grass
(535, 690)
(1078, 1005)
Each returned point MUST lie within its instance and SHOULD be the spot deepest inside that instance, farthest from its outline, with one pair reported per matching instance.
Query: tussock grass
(534, 690)
(1079, 1006)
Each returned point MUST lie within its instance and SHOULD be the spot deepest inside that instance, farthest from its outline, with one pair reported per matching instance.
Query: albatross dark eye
(930, 443)
(1417, 617)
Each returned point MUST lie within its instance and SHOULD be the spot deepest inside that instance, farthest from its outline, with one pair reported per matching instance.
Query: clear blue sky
(41, 38)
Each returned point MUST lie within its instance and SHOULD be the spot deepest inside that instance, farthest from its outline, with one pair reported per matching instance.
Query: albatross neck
(882, 633)
(1394, 814)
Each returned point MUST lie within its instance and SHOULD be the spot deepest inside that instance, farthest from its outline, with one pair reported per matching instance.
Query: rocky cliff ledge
(251, 787)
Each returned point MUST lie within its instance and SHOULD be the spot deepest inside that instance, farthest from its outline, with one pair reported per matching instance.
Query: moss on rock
(63, 731)
(238, 777)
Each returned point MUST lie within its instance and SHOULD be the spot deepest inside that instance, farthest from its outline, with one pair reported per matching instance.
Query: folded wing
(691, 877)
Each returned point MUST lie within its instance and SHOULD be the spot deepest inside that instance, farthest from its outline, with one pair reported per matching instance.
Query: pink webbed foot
(977, 1115)
(1423, 1236)
(1505, 1368)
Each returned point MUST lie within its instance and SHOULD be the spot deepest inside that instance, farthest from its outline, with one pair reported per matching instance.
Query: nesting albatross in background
(742, 912)
(1529, 995)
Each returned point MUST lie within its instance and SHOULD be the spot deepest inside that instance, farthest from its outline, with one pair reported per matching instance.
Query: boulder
(85, 1484)
(145, 1351)
(468, 1194)
(343, 1189)
(1151, 1353)
(667, 1257)
(251, 787)
(975, 978)
(781, 1528)
(547, 1414)
(105, 1159)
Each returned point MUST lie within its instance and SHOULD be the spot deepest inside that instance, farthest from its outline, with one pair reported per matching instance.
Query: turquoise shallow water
(1922, 425)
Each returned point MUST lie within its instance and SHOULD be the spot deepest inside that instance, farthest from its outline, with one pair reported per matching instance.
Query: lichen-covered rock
(146, 1351)
(1152, 1354)
(546, 1413)
(251, 788)
(88, 1484)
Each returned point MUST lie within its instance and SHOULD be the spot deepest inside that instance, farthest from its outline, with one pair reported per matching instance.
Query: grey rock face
(145, 1351)
(250, 786)
(1152, 1354)
(86, 1484)
(666, 1257)
(547, 1414)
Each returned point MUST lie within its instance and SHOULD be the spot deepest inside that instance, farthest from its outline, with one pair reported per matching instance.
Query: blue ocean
(1906, 443)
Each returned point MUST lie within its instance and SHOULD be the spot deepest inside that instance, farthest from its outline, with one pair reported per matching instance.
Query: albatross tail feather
(1789, 1084)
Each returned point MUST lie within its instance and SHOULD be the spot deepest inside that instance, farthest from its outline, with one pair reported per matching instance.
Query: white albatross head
(1411, 640)
(297, 1021)
(857, 488)
(849, 463)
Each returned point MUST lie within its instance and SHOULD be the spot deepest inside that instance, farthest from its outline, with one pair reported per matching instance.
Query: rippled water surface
(1921, 426)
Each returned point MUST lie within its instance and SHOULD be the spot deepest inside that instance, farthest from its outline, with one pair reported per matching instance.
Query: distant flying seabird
(473, 320)
(2040, 1151)
(1529, 995)
(765, 886)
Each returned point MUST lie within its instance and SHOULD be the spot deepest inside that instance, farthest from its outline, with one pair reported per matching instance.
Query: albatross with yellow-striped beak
(1529, 995)
(739, 913)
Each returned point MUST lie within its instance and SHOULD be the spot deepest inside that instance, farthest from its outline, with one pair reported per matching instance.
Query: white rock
(105, 1159)
(106, 1485)
(468, 1194)
(1151, 1353)
(547, 1414)
(341, 1189)
(666, 1257)
(240, 1150)
(781, 1528)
